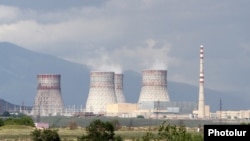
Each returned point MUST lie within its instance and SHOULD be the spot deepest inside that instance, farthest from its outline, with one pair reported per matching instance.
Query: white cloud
(8, 14)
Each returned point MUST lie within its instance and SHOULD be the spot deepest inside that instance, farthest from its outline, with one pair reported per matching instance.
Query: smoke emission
(150, 54)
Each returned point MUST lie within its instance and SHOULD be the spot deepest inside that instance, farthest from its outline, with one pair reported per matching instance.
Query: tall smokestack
(101, 92)
(201, 104)
(154, 86)
(119, 88)
(48, 101)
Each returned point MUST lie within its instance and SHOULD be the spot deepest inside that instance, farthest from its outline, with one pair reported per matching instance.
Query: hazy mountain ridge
(19, 68)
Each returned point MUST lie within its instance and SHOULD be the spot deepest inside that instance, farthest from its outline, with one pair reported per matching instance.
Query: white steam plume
(151, 54)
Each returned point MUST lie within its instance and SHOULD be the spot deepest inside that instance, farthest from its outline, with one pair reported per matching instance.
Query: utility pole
(157, 109)
(220, 108)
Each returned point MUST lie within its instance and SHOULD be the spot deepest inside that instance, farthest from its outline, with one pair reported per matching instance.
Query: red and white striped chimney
(201, 102)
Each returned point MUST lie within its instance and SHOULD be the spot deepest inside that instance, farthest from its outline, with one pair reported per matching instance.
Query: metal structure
(201, 103)
(101, 92)
(154, 86)
(48, 100)
(119, 88)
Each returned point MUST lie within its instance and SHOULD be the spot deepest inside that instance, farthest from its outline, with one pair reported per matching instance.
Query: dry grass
(22, 133)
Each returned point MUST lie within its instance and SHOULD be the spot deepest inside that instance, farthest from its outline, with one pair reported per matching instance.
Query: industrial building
(233, 114)
(122, 110)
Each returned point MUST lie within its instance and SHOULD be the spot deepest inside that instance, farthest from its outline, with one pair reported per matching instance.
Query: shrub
(172, 133)
(24, 120)
(1, 122)
(6, 114)
(116, 124)
(100, 131)
(72, 125)
(140, 116)
(45, 135)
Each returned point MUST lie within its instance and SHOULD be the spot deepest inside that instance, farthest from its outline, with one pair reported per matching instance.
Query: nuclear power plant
(106, 96)
(48, 100)
(101, 91)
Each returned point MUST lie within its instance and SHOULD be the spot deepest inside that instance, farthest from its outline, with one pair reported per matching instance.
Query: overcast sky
(121, 35)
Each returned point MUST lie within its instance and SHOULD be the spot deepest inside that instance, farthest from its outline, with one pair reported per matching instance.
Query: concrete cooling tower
(154, 86)
(48, 100)
(101, 92)
(119, 88)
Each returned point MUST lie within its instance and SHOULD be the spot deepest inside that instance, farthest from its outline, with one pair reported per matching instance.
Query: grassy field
(132, 128)
(22, 133)
(128, 122)
(14, 132)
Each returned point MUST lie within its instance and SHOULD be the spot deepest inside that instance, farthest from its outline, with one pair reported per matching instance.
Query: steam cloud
(151, 54)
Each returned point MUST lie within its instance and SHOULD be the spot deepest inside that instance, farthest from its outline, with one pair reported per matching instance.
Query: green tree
(116, 124)
(1, 122)
(100, 131)
(45, 135)
(24, 120)
(36, 135)
(173, 133)
(149, 137)
(167, 132)
(6, 114)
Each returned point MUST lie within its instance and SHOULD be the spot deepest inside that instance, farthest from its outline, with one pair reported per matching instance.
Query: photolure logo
(241, 132)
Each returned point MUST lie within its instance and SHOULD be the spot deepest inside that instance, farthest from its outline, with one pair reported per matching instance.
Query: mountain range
(19, 68)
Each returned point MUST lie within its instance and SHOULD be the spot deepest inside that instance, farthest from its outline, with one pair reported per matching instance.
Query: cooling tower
(48, 100)
(101, 92)
(119, 88)
(154, 86)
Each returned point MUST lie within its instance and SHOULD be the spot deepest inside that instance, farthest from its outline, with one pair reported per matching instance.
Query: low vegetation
(100, 131)
(96, 130)
(20, 119)
(45, 135)
(167, 132)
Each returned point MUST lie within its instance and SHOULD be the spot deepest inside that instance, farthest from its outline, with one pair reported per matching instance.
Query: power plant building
(48, 100)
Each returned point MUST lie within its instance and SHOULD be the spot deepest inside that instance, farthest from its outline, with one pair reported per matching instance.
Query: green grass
(16, 127)
(22, 133)
(11, 132)
(141, 127)
(132, 134)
